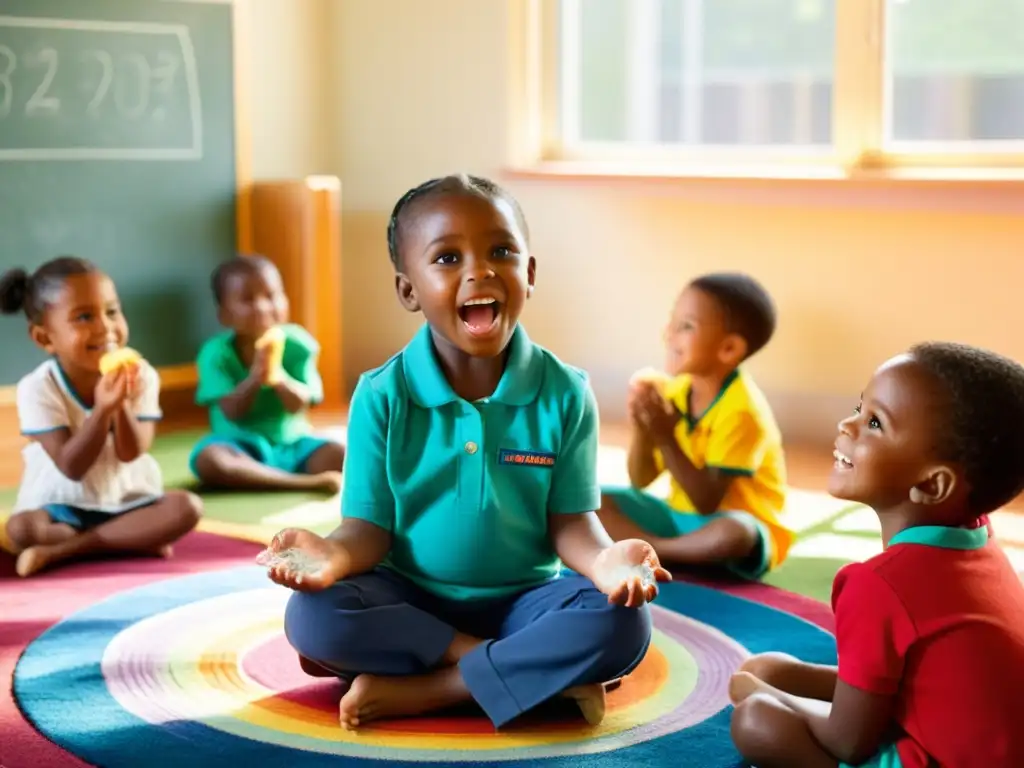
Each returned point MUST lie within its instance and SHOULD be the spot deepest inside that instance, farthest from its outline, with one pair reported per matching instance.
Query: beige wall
(286, 86)
(419, 88)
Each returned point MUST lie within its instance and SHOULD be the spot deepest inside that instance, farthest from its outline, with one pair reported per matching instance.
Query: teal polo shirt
(220, 370)
(465, 489)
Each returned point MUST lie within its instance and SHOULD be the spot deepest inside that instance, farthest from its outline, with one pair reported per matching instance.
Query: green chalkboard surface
(117, 144)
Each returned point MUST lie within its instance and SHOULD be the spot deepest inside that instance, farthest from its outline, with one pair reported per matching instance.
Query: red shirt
(938, 620)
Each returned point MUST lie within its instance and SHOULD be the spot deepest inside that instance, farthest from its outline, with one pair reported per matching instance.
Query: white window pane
(713, 72)
(956, 70)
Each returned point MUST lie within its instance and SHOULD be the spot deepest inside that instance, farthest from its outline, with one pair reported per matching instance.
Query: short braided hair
(455, 184)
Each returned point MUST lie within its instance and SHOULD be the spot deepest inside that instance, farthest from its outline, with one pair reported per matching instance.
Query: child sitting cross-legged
(89, 486)
(471, 479)
(707, 424)
(930, 633)
(259, 378)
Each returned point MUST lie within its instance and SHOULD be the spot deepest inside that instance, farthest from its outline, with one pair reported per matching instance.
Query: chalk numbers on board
(125, 86)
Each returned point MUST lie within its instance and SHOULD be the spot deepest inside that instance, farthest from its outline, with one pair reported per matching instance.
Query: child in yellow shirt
(709, 426)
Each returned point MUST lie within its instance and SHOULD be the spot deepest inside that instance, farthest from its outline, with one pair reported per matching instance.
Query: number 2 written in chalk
(127, 83)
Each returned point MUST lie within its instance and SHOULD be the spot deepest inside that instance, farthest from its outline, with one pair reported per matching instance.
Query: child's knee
(318, 624)
(753, 727)
(189, 508)
(329, 457)
(22, 529)
(18, 531)
(216, 463)
(623, 638)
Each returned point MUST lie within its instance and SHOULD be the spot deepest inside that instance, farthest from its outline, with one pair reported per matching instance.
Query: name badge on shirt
(526, 458)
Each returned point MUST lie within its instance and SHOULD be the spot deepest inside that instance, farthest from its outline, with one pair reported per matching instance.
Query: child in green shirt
(260, 437)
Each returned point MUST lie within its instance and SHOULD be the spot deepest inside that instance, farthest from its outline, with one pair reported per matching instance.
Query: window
(869, 82)
(955, 71)
(683, 71)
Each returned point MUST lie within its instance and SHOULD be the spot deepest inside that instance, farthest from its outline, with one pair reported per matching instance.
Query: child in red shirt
(930, 633)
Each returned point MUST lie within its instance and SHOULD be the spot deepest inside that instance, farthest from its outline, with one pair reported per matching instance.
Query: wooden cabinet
(297, 225)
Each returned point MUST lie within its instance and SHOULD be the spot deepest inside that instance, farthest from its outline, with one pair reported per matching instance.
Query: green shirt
(221, 370)
(465, 488)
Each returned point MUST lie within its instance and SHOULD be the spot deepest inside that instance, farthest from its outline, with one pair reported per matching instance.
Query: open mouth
(842, 460)
(104, 346)
(480, 316)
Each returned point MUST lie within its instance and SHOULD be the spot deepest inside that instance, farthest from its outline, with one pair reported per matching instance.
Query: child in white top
(89, 484)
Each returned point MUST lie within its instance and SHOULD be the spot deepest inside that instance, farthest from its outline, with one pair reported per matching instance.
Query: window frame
(859, 109)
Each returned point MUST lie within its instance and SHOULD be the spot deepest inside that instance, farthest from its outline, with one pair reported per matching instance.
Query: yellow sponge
(119, 358)
(659, 379)
(273, 340)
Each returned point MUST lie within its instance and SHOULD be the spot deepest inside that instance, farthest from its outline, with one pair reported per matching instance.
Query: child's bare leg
(786, 673)
(326, 463)
(721, 540)
(771, 734)
(26, 529)
(149, 529)
(220, 466)
(329, 457)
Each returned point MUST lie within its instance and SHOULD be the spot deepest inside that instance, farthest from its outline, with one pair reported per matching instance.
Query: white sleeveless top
(46, 402)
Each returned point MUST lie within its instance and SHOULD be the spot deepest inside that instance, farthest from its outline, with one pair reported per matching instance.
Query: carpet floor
(149, 662)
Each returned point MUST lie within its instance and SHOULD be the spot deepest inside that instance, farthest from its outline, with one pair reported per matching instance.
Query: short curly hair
(749, 310)
(980, 422)
(237, 265)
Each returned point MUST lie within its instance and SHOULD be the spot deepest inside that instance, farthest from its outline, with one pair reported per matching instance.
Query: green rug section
(809, 576)
(812, 576)
(252, 507)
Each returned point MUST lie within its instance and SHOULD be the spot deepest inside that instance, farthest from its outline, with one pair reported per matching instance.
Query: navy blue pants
(540, 642)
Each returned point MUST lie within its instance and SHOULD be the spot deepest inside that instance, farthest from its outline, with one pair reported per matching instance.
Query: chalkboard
(117, 144)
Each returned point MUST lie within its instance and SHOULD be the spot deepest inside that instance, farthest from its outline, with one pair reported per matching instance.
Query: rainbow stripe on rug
(191, 668)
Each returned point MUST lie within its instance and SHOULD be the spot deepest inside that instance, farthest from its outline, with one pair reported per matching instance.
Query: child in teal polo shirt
(259, 436)
(470, 478)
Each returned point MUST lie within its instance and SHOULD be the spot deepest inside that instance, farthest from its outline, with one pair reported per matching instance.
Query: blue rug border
(60, 671)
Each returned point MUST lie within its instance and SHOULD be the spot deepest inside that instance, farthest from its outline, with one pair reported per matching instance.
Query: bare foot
(371, 697)
(742, 685)
(164, 550)
(32, 560)
(328, 482)
(590, 699)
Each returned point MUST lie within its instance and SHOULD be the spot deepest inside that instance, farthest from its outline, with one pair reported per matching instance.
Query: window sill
(979, 190)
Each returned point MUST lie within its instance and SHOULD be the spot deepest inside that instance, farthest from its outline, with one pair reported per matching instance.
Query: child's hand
(620, 570)
(293, 548)
(657, 416)
(635, 395)
(111, 390)
(134, 382)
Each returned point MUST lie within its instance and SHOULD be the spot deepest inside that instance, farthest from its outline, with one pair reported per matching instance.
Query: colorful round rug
(195, 671)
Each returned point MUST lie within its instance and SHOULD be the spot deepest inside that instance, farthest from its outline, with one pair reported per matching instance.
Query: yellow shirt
(736, 434)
